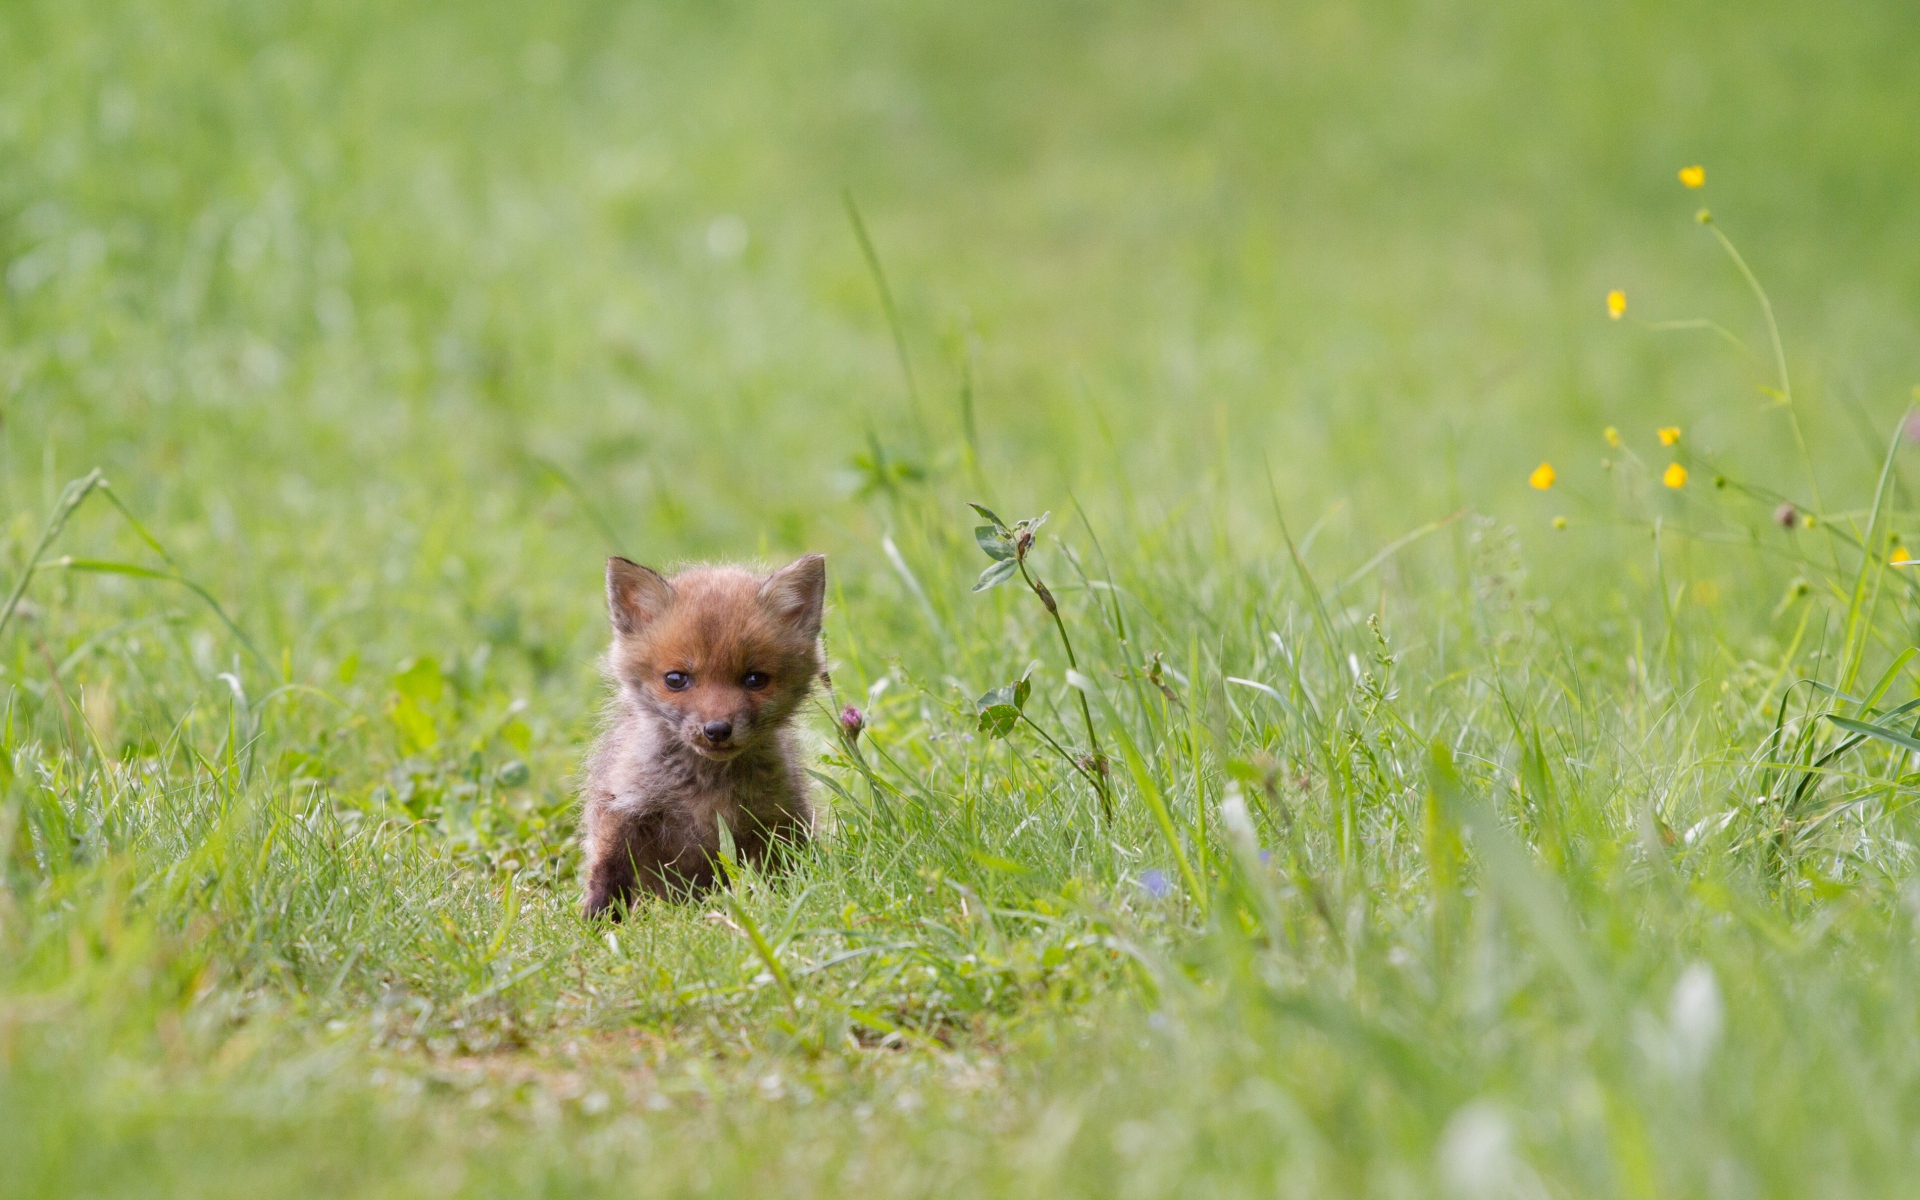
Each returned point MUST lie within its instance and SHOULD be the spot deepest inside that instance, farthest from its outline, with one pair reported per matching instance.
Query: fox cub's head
(720, 656)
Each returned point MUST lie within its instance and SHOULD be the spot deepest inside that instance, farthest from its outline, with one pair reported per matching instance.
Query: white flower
(1477, 1159)
(1233, 814)
(1694, 1019)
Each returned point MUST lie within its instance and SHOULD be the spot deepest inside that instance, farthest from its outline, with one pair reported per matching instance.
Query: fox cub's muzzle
(720, 731)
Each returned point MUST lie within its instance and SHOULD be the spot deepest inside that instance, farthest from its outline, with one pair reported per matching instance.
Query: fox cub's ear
(636, 595)
(797, 593)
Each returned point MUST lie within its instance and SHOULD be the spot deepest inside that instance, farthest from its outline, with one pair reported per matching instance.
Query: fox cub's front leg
(654, 855)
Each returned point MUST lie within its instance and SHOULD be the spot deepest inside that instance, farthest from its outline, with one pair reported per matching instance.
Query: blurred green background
(343, 268)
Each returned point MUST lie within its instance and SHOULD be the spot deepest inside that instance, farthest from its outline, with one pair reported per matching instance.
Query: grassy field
(1466, 837)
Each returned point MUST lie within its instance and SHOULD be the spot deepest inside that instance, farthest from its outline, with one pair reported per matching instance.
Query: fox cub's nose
(717, 731)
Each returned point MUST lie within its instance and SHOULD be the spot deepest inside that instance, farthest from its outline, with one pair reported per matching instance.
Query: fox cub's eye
(677, 681)
(755, 680)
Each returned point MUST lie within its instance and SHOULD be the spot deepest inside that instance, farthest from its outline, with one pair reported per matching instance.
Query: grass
(1450, 850)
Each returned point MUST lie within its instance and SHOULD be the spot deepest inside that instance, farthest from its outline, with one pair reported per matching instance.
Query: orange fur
(708, 669)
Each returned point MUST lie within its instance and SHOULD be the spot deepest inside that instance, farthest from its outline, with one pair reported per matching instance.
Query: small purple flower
(1153, 881)
(851, 723)
(1266, 857)
(1912, 428)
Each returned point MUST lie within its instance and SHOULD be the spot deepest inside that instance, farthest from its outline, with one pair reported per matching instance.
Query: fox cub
(708, 669)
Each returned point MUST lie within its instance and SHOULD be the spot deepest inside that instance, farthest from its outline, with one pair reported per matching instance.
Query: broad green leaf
(997, 545)
(988, 513)
(516, 734)
(1000, 707)
(996, 574)
(420, 681)
(416, 726)
(997, 721)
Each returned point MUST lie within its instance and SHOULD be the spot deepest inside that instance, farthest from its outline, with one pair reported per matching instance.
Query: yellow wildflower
(1559, 522)
(1613, 437)
(1616, 304)
(1669, 434)
(1542, 476)
(1676, 476)
(1903, 559)
(1693, 177)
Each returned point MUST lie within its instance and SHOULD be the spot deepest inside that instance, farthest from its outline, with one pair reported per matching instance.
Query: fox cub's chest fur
(708, 670)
